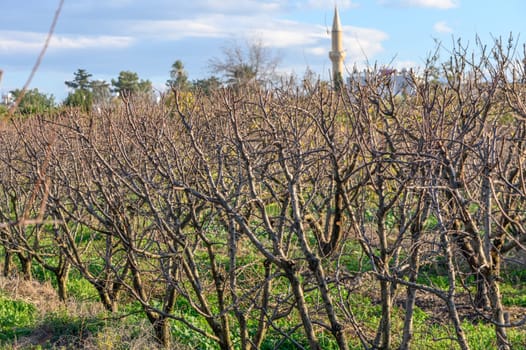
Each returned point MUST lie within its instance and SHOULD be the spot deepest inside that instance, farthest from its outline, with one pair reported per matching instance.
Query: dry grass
(72, 324)
(41, 295)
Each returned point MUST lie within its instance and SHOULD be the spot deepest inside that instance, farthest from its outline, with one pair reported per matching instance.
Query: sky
(105, 37)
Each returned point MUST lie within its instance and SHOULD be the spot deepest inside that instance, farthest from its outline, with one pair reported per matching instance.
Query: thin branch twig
(38, 61)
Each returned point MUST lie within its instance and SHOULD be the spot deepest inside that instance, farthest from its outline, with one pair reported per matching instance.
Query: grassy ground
(32, 317)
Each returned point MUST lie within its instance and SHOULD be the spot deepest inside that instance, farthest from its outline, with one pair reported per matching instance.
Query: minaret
(337, 54)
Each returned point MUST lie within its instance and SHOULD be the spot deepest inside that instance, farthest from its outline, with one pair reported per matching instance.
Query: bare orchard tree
(17, 190)
(25, 186)
(261, 176)
(510, 159)
(245, 64)
(258, 218)
(124, 192)
(78, 207)
(384, 196)
(467, 150)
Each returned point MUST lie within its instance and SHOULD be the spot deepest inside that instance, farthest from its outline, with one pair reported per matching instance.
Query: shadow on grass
(56, 330)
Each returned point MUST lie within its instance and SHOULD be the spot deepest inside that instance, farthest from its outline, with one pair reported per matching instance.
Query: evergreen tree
(207, 85)
(81, 80)
(33, 101)
(178, 77)
(128, 84)
(81, 96)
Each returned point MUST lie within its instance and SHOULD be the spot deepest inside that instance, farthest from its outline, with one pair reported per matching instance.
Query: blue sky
(147, 36)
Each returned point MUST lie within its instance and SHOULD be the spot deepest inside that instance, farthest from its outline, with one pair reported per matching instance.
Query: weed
(81, 289)
(16, 318)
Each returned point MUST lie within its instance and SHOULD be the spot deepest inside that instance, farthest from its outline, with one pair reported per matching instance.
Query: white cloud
(271, 32)
(175, 9)
(363, 43)
(328, 4)
(205, 27)
(439, 4)
(236, 6)
(86, 42)
(359, 42)
(442, 27)
(318, 50)
(17, 42)
(284, 38)
(282, 34)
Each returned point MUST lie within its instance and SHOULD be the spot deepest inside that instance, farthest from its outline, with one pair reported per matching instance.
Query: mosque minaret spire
(337, 53)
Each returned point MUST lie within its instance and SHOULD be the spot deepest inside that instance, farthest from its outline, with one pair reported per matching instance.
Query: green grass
(516, 299)
(107, 331)
(82, 290)
(436, 281)
(63, 328)
(42, 275)
(63, 325)
(513, 295)
(184, 335)
(516, 276)
(16, 318)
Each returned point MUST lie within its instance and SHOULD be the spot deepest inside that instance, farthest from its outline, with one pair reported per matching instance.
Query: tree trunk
(62, 280)
(336, 327)
(26, 265)
(8, 263)
(482, 297)
(383, 335)
(162, 332)
(482, 300)
(265, 297)
(411, 298)
(385, 323)
(408, 321)
(106, 299)
(498, 314)
(301, 305)
(452, 308)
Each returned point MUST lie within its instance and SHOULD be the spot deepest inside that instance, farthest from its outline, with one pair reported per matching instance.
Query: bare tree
(27, 222)
(244, 207)
(240, 65)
